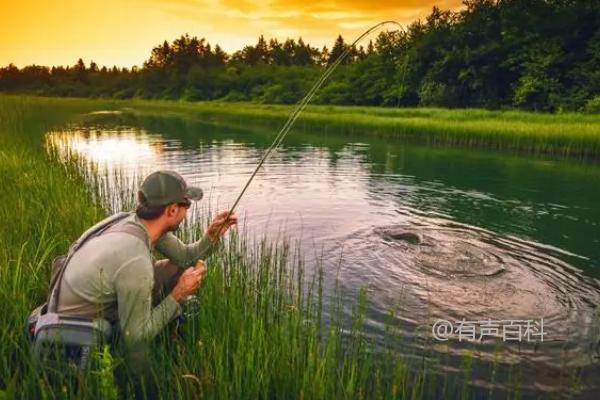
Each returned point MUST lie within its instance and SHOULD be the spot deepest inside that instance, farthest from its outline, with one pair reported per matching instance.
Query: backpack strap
(105, 225)
(132, 229)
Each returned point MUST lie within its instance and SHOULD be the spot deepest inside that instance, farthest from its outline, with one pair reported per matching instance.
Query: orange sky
(122, 32)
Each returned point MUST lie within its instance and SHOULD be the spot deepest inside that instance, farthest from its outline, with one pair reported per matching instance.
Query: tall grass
(260, 333)
(565, 135)
(568, 135)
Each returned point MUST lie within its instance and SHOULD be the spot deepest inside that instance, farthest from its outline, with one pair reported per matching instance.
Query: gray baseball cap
(165, 187)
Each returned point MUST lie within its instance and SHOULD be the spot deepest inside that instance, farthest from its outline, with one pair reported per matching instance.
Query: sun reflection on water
(116, 149)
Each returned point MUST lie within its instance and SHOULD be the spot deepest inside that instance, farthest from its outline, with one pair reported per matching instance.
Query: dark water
(436, 233)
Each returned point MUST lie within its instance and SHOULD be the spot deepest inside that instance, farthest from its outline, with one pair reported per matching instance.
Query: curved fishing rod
(296, 113)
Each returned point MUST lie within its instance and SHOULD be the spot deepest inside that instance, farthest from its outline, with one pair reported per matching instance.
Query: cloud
(364, 7)
(330, 10)
(318, 23)
(123, 32)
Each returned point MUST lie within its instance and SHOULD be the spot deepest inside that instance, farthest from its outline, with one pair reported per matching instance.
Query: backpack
(74, 337)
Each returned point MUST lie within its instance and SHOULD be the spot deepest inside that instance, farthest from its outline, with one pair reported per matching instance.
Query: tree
(533, 54)
(277, 55)
(161, 57)
(339, 47)
(80, 66)
(219, 57)
(303, 54)
(9, 77)
(324, 56)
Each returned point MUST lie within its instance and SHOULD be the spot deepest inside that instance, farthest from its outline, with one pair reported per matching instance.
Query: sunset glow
(122, 33)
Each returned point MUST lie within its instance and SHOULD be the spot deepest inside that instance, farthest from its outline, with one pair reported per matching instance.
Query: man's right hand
(189, 282)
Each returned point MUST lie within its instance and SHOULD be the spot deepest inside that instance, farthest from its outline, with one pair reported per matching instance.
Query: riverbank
(568, 135)
(260, 331)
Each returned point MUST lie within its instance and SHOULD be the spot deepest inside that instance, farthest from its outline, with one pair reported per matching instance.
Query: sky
(123, 32)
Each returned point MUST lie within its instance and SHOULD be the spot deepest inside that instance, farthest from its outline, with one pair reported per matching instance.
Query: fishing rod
(296, 113)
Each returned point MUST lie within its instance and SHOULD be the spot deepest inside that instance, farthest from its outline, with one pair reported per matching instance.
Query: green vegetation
(44, 206)
(528, 54)
(563, 135)
(261, 332)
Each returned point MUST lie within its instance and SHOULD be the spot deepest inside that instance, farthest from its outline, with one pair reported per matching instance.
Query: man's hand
(220, 225)
(189, 282)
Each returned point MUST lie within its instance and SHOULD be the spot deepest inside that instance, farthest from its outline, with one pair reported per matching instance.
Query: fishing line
(296, 113)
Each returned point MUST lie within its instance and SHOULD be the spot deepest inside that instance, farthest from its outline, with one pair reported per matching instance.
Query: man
(114, 276)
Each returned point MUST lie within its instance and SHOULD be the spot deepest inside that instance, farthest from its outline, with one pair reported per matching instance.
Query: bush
(235, 95)
(335, 93)
(592, 106)
(433, 93)
(287, 92)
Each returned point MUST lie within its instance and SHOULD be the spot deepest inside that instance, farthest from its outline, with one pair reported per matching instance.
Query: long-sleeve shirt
(112, 276)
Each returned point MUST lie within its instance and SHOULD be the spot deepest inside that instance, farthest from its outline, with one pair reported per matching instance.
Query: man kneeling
(114, 276)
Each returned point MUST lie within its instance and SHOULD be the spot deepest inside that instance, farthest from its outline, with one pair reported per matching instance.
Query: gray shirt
(112, 276)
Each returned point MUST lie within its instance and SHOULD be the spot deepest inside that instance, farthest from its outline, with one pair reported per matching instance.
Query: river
(436, 233)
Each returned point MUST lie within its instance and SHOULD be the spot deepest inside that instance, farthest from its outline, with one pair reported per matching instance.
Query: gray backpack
(72, 337)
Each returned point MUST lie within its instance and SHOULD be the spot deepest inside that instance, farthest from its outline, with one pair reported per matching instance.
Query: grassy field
(260, 333)
(567, 135)
(562, 135)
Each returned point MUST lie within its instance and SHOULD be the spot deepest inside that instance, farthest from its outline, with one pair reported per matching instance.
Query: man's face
(180, 213)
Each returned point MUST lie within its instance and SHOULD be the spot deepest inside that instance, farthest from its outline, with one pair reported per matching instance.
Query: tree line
(539, 55)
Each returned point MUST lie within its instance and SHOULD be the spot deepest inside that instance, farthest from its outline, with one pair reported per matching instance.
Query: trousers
(166, 275)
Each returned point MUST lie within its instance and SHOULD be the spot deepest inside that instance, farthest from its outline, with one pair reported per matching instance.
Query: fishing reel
(190, 307)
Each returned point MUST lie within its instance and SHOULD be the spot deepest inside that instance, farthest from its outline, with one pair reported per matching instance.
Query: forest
(539, 55)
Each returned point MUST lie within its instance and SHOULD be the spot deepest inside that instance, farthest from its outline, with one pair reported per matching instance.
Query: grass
(566, 135)
(259, 333)
(261, 330)
(569, 135)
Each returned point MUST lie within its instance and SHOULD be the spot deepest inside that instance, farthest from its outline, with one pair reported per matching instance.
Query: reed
(261, 332)
(565, 135)
(568, 135)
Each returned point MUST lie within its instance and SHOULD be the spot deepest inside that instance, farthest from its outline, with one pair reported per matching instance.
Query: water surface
(435, 233)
